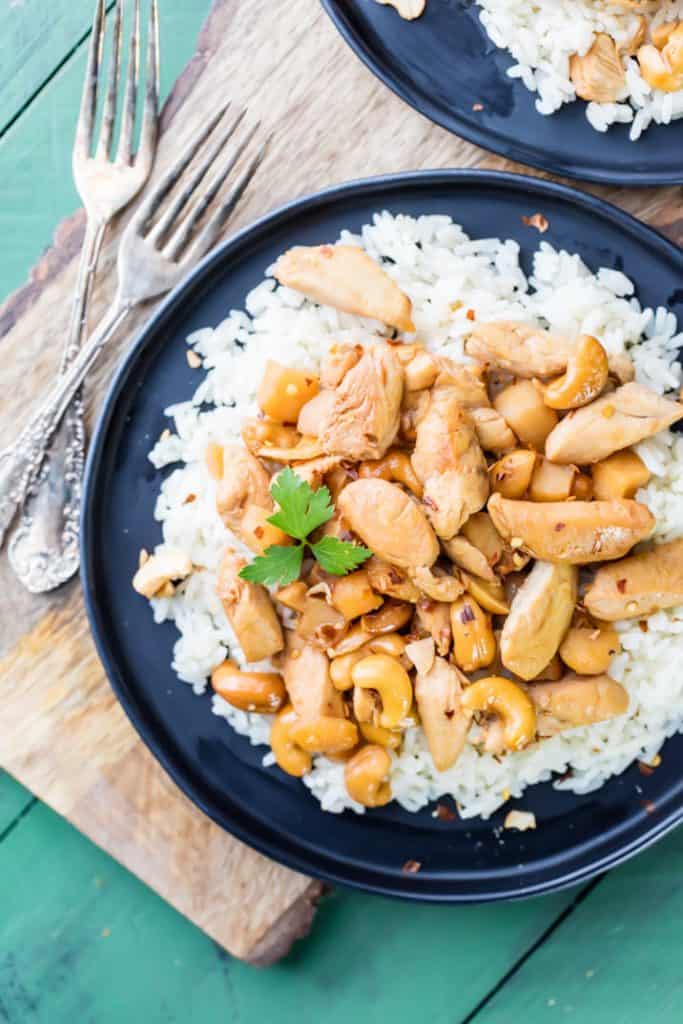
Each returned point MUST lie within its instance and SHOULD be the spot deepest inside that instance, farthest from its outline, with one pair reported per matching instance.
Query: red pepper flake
(559, 526)
(189, 499)
(430, 503)
(645, 769)
(449, 712)
(411, 867)
(470, 314)
(444, 813)
(648, 806)
(642, 625)
(538, 221)
(258, 531)
(467, 615)
(621, 586)
(477, 107)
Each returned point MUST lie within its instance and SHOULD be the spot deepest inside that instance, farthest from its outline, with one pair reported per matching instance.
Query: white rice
(543, 36)
(445, 274)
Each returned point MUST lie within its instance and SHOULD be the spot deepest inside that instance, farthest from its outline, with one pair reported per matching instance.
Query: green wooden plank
(616, 959)
(35, 37)
(35, 154)
(81, 939)
(14, 800)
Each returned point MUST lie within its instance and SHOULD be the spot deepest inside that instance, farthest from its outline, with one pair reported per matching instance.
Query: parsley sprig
(301, 511)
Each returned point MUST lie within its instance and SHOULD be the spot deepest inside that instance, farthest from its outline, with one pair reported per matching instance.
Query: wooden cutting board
(63, 734)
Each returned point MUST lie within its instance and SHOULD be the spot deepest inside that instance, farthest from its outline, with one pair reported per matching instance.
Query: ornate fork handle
(20, 462)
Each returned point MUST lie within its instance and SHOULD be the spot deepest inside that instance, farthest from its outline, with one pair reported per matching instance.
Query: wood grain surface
(64, 735)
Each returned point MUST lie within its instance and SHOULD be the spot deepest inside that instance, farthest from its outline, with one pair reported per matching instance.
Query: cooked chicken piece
(421, 653)
(639, 585)
(413, 408)
(572, 531)
(450, 464)
(315, 414)
(439, 586)
(576, 700)
(389, 522)
(466, 556)
(345, 277)
(539, 617)
(615, 421)
(528, 351)
(599, 74)
(445, 722)
(520, 348)
(466, 381)
(244, 501)
(621, 367)
(249, 610)
(363, 421)
(493, 433)
(420, 367)
(433, 618)
(306, 673)
(339, 360)
(390, 580)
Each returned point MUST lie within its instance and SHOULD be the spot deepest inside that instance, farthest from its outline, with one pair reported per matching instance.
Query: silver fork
(44, 549)
(158, 247)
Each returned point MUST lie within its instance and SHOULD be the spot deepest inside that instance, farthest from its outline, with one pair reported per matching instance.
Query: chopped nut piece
(411, 867)
(520, 820)
(538, 221)
(193, 360)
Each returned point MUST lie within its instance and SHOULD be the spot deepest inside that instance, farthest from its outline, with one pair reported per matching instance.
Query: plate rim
(239, 824)
(456, 124)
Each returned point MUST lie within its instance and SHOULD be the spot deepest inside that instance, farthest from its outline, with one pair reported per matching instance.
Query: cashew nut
(383, 737)
(386, 675)
(511, 475)
(166, 566)
(394, 466)
(474, 645)
(340, 668)
(490, 594)
(501, 696)
(388, 619)
(263, 692)
(584, 379)
(588, 651)
(324, 735)
(288, 755)
(366, 776)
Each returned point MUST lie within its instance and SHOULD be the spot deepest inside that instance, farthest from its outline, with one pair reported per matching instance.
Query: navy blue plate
(445, 65)
(220, 771)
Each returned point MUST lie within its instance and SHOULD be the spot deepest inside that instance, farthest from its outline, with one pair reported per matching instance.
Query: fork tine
(125, 150)
(212, 230)
(179, 241)
(171, 215)
(109, 113)
(86, 116)
(150, 112)
(151, 203)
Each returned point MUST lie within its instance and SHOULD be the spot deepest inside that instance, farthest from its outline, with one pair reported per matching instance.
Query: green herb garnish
(301, 511)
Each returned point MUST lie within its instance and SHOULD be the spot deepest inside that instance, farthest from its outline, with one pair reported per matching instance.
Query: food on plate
(403, 567)
(624, 58)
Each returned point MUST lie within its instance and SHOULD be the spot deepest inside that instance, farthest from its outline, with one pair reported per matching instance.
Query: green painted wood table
(82, 940)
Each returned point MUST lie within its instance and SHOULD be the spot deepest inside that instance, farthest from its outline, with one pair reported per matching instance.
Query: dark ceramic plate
(220, 771)
(444, 64)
